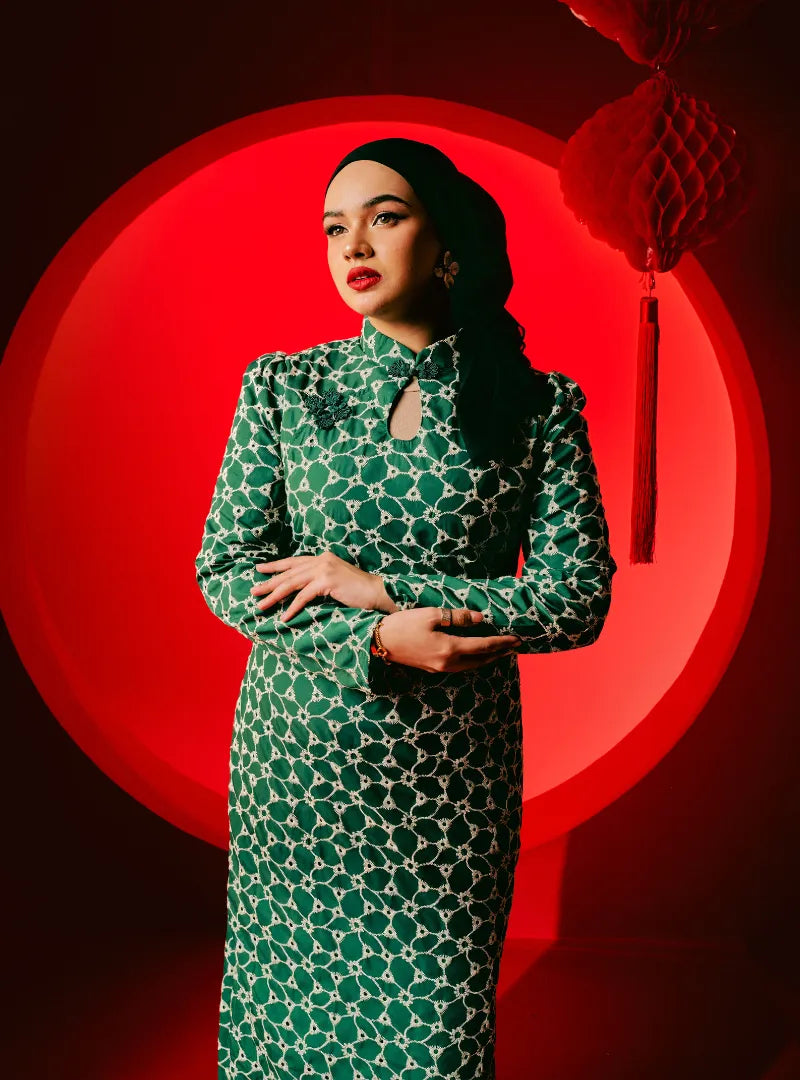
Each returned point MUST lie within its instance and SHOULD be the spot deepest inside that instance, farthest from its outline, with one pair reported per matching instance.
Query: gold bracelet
(379, 648)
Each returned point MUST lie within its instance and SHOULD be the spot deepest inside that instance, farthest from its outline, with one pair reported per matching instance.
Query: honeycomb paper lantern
(654, 31)
(653, 175)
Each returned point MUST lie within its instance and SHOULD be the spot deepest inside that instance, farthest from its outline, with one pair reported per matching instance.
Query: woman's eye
(390, 214)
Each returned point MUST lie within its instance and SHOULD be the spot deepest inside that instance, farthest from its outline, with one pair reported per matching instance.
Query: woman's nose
(358, 251)
(357, 245)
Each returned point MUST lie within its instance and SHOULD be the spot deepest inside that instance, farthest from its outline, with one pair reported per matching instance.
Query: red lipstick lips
(362, 277)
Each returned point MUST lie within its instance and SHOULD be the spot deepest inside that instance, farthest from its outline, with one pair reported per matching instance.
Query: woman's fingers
(499, 643)
(283, 564)
(285, 583)
(280, 577)
(331, 576)
(279, 586)
(466, 653)
(414, 637)
(456, 616)
(308, 593)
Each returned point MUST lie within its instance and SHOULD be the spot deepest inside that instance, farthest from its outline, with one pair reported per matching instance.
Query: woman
(364, 533)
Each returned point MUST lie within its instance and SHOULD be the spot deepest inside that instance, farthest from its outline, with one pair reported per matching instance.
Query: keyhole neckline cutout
(392, 367)
(409, 405)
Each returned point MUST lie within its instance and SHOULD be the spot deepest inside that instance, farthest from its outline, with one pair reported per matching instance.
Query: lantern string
(647, 280)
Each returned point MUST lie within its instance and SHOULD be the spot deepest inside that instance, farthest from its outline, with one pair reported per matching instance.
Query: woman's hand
(414, 637)
(317, 575)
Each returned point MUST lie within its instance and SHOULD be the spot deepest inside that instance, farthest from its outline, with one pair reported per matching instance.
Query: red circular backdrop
(119, 386)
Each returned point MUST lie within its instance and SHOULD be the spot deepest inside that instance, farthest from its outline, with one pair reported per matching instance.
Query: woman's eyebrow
(370, 202)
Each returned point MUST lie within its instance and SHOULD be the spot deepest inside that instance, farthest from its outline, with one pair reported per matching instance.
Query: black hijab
(500, 391)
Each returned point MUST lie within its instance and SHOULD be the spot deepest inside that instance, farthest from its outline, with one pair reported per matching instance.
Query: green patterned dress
(375, 811)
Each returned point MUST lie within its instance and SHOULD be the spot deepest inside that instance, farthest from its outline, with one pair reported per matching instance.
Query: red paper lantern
(654, 31)
(653, 175)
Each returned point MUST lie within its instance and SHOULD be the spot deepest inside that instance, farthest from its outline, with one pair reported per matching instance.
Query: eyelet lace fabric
(375, 810)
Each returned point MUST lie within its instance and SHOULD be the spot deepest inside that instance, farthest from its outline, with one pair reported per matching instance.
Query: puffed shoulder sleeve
(563, 595)
(247, 523)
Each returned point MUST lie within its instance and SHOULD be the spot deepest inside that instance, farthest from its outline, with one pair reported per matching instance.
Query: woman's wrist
(377, 645)
(383, 602)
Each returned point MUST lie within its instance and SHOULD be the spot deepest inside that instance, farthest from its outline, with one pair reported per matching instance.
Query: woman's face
(392, 237)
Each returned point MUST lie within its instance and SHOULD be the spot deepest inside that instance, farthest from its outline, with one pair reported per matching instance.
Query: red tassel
(643, 509)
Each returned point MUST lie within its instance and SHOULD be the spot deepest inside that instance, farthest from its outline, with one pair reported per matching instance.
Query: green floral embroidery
(398, 368)
(430, 368)
(328, 408)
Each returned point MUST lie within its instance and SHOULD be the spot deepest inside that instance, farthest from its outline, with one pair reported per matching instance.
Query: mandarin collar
(434, 361)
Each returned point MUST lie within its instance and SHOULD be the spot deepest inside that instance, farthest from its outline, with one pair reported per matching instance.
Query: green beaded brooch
(327, 408)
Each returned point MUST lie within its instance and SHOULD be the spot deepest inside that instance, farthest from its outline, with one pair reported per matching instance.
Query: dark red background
(679, 908)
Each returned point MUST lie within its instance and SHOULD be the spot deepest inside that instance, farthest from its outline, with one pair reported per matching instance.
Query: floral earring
(447, 270)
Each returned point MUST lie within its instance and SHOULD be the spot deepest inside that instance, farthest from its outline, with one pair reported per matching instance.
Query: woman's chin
(366, 303)
(380, 302)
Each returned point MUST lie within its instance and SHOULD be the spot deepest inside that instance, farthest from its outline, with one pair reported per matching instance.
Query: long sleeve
(563, 595)
(248, 523)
